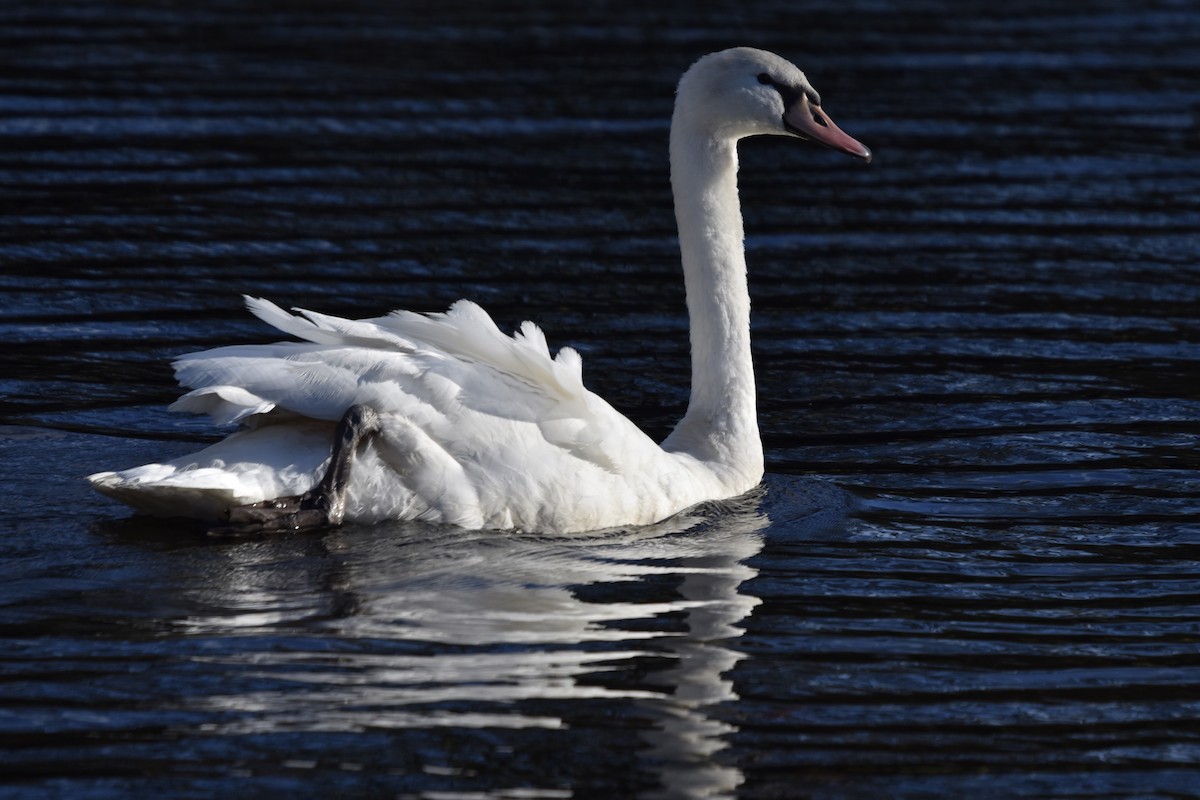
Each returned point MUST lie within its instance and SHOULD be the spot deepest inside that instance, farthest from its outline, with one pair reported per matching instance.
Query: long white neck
(721, 424)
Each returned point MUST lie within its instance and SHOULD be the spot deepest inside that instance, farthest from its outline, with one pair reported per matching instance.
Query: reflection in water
(685, 738)
(989, 337)
(413, 627)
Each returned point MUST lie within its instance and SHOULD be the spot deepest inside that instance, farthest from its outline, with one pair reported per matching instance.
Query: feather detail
(360, 333)
(226, 405)
(467, 331)
(277, 318)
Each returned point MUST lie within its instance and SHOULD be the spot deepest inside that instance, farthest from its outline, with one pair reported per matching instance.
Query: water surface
(971, 570)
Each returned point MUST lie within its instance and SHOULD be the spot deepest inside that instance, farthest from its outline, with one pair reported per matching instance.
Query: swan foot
(302, 512)
(324, 505)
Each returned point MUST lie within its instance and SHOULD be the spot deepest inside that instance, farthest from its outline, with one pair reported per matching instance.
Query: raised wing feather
(447, 373)
(466, 331)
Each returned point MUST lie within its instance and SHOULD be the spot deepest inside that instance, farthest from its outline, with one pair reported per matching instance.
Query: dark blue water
(973, 568)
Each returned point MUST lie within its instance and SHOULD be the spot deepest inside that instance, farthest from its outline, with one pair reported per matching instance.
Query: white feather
(226, 405)
(486, 430)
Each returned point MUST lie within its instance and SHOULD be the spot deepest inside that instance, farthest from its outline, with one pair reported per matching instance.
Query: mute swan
(443, 418)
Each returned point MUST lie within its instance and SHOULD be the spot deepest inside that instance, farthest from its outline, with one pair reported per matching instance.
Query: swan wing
(454, 375)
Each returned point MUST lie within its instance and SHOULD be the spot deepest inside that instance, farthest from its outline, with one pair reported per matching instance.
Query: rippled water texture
(973, 567)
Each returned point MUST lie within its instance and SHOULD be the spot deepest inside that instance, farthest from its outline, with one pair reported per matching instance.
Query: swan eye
(766, 79)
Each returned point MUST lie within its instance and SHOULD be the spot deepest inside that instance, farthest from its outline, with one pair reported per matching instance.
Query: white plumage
(484, 430)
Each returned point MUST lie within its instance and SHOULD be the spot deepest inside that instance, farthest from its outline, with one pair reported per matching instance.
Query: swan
(443, 418)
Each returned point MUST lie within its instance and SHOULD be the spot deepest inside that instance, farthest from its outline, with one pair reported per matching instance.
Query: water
(973, 566)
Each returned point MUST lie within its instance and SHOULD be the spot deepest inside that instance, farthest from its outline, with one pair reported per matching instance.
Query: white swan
(443, 418)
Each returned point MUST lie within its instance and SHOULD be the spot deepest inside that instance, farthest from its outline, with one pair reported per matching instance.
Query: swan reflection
(407, 627)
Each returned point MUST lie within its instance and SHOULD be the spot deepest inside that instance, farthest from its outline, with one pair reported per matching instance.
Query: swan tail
(160, 490)
(247, 467)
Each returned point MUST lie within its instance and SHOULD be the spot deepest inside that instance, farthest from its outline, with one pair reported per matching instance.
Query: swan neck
(721, 424)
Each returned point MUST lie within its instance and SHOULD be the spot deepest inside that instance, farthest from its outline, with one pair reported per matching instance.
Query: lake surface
(972, 570)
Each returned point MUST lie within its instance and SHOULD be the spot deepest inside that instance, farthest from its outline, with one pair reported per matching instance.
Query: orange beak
(809, 121)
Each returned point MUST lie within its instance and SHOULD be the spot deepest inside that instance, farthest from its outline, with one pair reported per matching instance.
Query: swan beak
(810, 121)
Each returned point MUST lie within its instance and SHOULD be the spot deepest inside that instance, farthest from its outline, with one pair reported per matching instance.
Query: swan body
(475, 428)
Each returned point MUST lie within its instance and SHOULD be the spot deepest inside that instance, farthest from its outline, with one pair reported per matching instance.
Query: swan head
(747, 92)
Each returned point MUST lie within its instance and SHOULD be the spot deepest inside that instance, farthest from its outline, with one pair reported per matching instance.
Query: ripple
(970, 570)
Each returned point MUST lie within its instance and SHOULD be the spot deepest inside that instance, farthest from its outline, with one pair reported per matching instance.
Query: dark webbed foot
(322, 506)
(308, 511)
